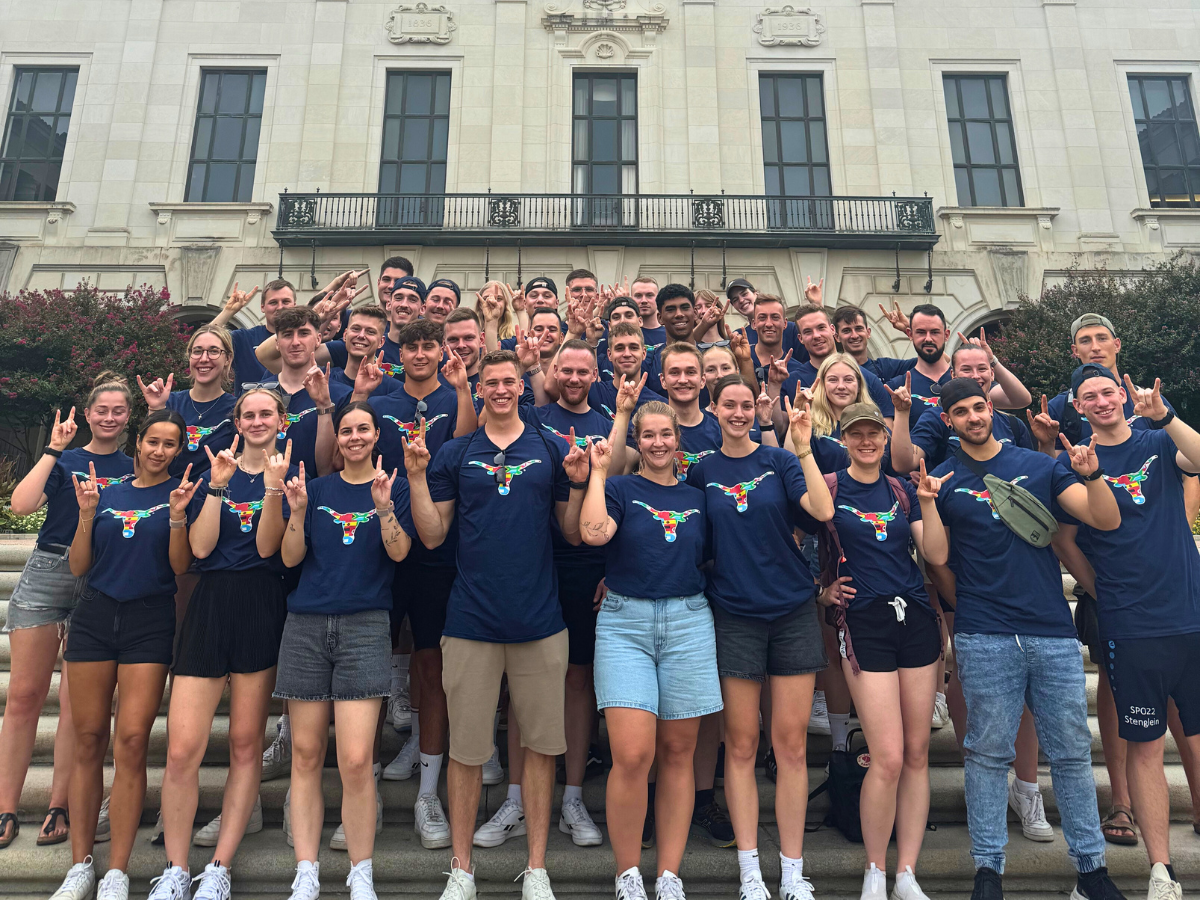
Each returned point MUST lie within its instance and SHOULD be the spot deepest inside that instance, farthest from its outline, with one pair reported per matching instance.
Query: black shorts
(577, 597)
(753, 649)
(233, 624)
(129, 632)
(883, 643)
(428, 589)
(1143, 673)
(1087, 624)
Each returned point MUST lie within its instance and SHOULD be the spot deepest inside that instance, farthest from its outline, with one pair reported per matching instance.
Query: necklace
(208, 405)
(251, 475)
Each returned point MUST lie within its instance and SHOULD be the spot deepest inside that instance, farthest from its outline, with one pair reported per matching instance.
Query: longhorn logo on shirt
(928, 401)
(510, 472)
(101, 481)
(740, 492)
(130, 517)
(195, 434)
(1132, 419)
(608, 412)
(244, 511)
(392, 370)
(408, 429)
(985, 497)
(349, 521)
(580, 441)
(670, 520)
(292, 419)
(838, 441)
(1133, 481)
(877, 520)
(686, 460)
(475, 392)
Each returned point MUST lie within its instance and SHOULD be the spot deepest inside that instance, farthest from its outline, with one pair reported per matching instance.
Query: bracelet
(177, 524)
(805, 455)
(578, 485)
(219, 492)
(1164, 421)
(50, 451)
(1095, 476)
(389, 508)
(536, 370)
(325, 410)
(83, 521)
(273, 492)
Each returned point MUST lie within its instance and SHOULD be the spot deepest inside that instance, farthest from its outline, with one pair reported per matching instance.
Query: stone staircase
(264, 864)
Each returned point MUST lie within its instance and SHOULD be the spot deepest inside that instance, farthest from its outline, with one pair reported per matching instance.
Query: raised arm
(1044, 429)
(294, 548)
(432, 520)
(235, 304)
(1148, 403)
(930, 535)
(905, 455)
(395, 539)
(456, 374)
(316, 382)
(180, 550)
(271, 522)
(87, 495)
(206, 530)
(575, 464)
(817, 501)
(30, 494)
(1092, 502)
(596, 526)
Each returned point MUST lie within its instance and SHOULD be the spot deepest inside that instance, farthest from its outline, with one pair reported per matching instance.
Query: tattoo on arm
(596, 529)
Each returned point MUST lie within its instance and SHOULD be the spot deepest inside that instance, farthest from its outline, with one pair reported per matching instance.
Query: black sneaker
(648, 828)
(711, 822)
(988, 885)
(1096, 885)
(771, 766)
(719, 778)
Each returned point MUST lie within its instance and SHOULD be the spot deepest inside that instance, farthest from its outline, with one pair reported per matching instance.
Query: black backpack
(847, 769)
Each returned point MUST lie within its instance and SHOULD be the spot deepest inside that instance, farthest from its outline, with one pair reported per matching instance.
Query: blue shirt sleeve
(337, 353)
(614, 503)
(1061, 478)
(443, 473)
(930, 435)
(880, 395)
(914, 505)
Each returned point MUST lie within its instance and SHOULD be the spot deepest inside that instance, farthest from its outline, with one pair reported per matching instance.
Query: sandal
(5, 818)
(46, 836)
(1117, 832)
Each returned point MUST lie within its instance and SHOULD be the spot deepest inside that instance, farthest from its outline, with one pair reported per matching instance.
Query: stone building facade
(712, 112)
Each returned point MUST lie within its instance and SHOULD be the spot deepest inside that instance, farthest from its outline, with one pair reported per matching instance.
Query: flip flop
(5, 818)
(1117, 832)
(46, 836)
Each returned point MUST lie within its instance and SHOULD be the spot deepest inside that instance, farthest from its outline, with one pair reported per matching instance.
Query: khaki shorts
(537, 671)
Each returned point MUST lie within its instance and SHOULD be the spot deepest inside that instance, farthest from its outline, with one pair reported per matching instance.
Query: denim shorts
(127, 632)
(753, 649)
(657, 655)
(46, 593)
(324, 658)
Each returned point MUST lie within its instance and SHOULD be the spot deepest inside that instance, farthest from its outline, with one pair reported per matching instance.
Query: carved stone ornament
(789, 26)
(619, 22)
(420, 23)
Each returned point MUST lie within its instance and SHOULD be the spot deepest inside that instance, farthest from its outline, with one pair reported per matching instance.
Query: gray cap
(1091, 319)
(861, 412)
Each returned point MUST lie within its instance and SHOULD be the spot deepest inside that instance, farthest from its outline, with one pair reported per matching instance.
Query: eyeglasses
(706, 345)
(210, 352)
(498, 462)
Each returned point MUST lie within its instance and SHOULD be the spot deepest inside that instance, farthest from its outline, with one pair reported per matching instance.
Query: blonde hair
(823, 418)
(728, 351)
(222, 336)
(655, 408)
(109, 381)
(508, 319)
(280, 408)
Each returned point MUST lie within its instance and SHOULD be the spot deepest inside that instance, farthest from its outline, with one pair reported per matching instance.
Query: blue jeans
(1001, 674)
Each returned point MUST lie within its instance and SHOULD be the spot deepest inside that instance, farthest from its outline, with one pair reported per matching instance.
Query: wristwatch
(219, 492)
(1099, 473)
(326, 410)
(535, 370)
(1164, 421)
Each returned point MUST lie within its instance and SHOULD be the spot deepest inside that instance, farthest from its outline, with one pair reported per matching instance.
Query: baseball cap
(446, 283)
(861, 412)
(1092, 319)
(958, 389)
(541, 282)
(736, 286)
(413, 283)
(1090, 370)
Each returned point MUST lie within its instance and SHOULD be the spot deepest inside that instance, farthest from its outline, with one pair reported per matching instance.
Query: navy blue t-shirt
(346, 568)
(506, 590)
(654, 337)
(934, 436)
(1057, 409)
(698, 441)
(793, 365)
(806, 375)
(885, 368)
(753, 505)
(921, 388)
(246, 367)
(62, 510)
(602, 397)
(300, 426)
(1148, 569)
(131, 540)
(557, 423)
(337, 353)
(209, 424)
(875, 537)
(659, 545)
(236, 550)
(388, 385)
(1004, 585)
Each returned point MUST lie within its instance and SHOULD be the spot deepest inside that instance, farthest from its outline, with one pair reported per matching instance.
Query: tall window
(1167, 135)
(416, 127)
(604, 147)
(982, 140)
(795, 152)
(35, 133)
(225, 144)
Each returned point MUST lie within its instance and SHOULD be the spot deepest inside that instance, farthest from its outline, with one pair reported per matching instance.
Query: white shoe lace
(307, 882)
(170, 885)
(110, 885)
(630, 887)
(754, 889)
(1161, 889)
(508, 806)
(431, 809)
(1035, 812)
(669, 887)
(454, 883)
(797, 889)
(576, 813)
(77, 876)
(361, 882)
(538, 883)
(214, 883)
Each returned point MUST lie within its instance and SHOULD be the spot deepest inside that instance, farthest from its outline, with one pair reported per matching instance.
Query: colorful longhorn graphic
(392, 370)
(130, 517)
(740, 492)
(245, 511)
(102, 482)
(686, 460)
(879, 521)
(292, 419)
(408, 429)
(1133, 481)
(195, 434)
(670, 520)
(510, 472)
(580, 442)
(349, 521)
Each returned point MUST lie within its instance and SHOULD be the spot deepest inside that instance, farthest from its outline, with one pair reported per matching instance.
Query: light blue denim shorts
(657, 655)
(46, 593)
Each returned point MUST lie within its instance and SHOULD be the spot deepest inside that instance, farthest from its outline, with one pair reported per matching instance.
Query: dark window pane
(415, 130)
(61, 126)
(962, 184)
(795, 181)
(395, 94)
(1135, 97)
(226, 130)
(22, 91)
(68, 95)
(233, 97)
(8, 171)
(816, 140)
(604, 97)
(794, 141)
(1194, 184)
(604, 140)
(45, 91)
(1179, 98)
(391, 138)
(441, 102)
(441, 130)
(208, 92)
(821, 185)
(816, 104)
(957, 147)
(1152, 185)
(1172, 184)
(245, 183)
(628, 96)
(250, 141)
(979, 143)
(1004, 141)
(791, 97)
(29, 182)
(13, 144)
(416, 139)
(220, 182)
(1012, 193)
(387, 178)
(418, 98)
(227, 138)
(437, 178)
(950, 89)
(195, 192)
(412, 178)
(258, 87)
(974, 98)
(999, 98)
(770, 140)
(766, 97)
(773, 180)
(1158, 98)
(37, 137)
(987, 187)
(1164, 148)
(1189, 140)
(605, 180)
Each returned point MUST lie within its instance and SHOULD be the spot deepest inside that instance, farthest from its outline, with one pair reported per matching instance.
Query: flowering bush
(1156, 314)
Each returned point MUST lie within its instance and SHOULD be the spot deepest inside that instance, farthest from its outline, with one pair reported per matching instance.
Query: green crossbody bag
(1023, 513)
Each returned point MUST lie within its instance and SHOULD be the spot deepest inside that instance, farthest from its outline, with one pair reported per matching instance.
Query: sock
(748, 864)
(793, 869)
(514, 794)
(839, 729)
(431, 769)
(1028, 788)
(285, 729)
(704, 798)
(1171, 871)
(572, 792)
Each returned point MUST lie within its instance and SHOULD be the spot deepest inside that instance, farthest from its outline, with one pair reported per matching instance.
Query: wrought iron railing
(570, 218)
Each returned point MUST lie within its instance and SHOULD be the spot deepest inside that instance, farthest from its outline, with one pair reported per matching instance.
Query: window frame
(432, 117)
(774, 77)
(1189, 171)
(962, 121)
(51, 158)
(242, 160)
(620, 118)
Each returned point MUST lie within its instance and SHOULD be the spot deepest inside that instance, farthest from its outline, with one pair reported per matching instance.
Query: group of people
(426, 511)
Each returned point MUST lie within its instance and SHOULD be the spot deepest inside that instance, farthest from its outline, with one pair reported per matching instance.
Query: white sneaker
(407, 762)
(508, 822)
(1032, 813)
(277, 759)
(799, 889)
(338, 841)
(536, 885)
(906, 886)
(493, 772)
(103, 829)
(575, 821)
(874, 885)
(669, 886)
(460, 885)
(400, 710)
(287, 817)
(1162, 886)
(630, 885)
(306, 885)
(214, 883)
(754, 888)
(78, 885)
(361, 881)
(429, 822)
(172, 884)
(113, 886)
(941, 712)
(818, 720)
(156, 836)
(208, 835)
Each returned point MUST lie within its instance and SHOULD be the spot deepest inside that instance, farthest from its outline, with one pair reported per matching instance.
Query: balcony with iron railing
(905, 223)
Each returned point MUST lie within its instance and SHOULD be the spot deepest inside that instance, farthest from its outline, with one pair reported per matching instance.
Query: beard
(930, 355)
(963, 438)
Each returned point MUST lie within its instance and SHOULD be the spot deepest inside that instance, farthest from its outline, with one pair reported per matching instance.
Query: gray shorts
(324, 658)
(46, 593)
(753, 649)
